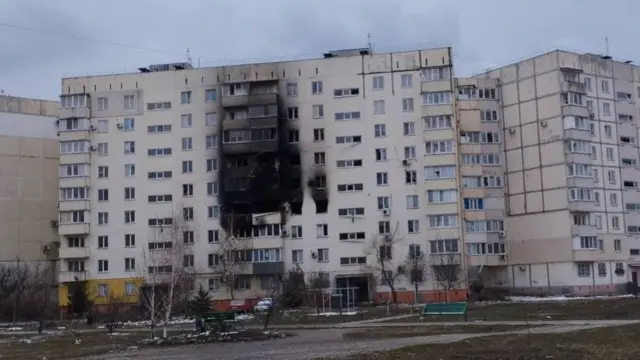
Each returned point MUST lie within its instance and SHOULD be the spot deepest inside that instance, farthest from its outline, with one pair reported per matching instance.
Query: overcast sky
(483, 33)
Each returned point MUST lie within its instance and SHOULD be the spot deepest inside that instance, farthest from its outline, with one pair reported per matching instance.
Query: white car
(263, 304)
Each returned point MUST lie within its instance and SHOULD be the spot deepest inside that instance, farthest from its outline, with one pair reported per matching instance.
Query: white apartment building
(571, 143)
(311, 163)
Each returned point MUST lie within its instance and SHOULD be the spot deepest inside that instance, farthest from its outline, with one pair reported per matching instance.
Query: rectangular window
(129, 101)
(316, 87)
(436, 98)
(210, 95)
(186, 121)
(438, 147)
(407, 104)
(185, 97)
(406, 81)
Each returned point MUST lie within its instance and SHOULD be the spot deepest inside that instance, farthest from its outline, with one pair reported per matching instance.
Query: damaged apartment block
(260, 174)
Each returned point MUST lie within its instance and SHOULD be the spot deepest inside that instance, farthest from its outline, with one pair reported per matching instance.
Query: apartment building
(28, 180)
(571, 145)
(328, 165)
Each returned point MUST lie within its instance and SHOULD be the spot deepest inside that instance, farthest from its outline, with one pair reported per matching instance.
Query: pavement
(313, 341)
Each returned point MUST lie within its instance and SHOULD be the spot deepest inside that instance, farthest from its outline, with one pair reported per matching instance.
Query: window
(188, 237)
(159, 175)
(129, 101)
(572, 98)
(296, 232)
(157, 129)
(188, 261)
(212, 188)
(436, 98)
(413, 226)
(412, 202)
(609, 153)
(351, 212)
(187, 189)
(74, 147)
(129, 147)
(406, 81)
(577, 146)
(213, 236)
(409, 128)
(103, 242)
(356, 187)
(316, 87)
(384, 202)
(487, 159)
(607, 131)
(103, 103)
(381, 154)
(444, 246)
(292, 113)
(613, 200)
(318, 134)
(129, 170)
(488, 115)
(323, 255)
(212, 165)
(606, 108)
(378, 107)
(103, 172)
(187, 213)
(129, 216)
(103, 266)
(292, 89)
(442, 196)
(129, 265)
(103, 126)
(73, 101)
(130, 240)
(211, 141)
(380, 130)
(72, 217)
(584, 269)
(579, 170)
(297, 256)
(187, 143)
(75, 193)
(213, 212)
(442, 221)
(346, 92)
(437, 122)
(438, 147)
(186, 121)
(378, 82)
(439, 172)
(484, 226)
(473, 204)
(103, 194)
(580, 194)
(615, 222)
(350, 163)
(630, 184)
(435, 73)
(346, 116)
(319, 158)
(477, 137)
(604, 85)
(129, 124)
(382, 178)
(103, 218)
(611, 176)
(354, 260)
(617, 245)
(407, 104)
(185, 97)
(317, 111)
(322, 230)
(210, 95)
(409, 152)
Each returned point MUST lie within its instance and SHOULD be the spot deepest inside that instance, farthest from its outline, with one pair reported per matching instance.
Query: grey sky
(483, 33)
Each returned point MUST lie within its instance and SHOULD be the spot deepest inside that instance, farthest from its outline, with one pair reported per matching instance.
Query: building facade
(363, 170)
(28, 180)
(571, 142)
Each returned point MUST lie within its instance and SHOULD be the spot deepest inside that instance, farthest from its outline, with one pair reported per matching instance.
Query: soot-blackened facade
(259, 170)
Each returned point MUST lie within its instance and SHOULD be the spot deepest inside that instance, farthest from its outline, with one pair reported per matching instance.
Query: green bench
(218, 321)
(455, 308)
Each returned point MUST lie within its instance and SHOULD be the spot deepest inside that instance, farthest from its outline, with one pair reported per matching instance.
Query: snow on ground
(119, 334)
(174, 321)
(244, 317)
(563, 298)
(344, 313)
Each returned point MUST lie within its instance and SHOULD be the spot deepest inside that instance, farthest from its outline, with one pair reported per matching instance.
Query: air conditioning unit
(386, 212)
(502, 257)
(314, 255)
(543, 124)
(54, 223)
(406, 162)
(502, 234)
(284, 232)
(512, 131)
(592, 115)
(388, 237)
(120, 126)
(92, 128)
(92, 148)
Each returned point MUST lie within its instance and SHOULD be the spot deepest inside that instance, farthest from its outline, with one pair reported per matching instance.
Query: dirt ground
(404, 332)
(606, 343)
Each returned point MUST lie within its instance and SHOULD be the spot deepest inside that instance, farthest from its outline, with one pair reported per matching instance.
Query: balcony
(249, 100)
(75, 112)
(573, 86)
(581, 206)
(75, 158)
(583, 182)
(74, 252)
(73, 229)
(445, 259)
(268, 268)
(577, 134)
(70, 205)
(487, 260)
(250, 147)
(71, 276)
(434, 86)
(68, 135)
(258, 122)
(74, 181)
(583, 230)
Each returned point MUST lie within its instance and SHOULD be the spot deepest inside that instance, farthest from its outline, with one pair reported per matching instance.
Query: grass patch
(404, 332)
(601, 309)
(607, 343)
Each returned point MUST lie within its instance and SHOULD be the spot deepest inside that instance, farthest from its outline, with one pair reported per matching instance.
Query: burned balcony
(255, 116)
(248, 141)
(244, 94)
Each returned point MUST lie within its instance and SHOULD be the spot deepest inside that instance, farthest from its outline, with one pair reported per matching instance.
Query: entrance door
(634, 277)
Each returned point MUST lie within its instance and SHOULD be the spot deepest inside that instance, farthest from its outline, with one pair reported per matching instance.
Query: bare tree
(114, 312)
(447, 271)
(167, 264)
(229, 256)
(381, 248)
(317, 285)
(42, 289)
(13, 286)
(415, 265)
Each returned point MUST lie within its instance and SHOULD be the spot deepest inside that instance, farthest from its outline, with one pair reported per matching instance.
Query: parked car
(263, 304)
(240, 306)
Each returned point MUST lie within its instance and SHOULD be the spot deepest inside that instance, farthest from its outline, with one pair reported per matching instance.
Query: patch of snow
(101, 327)
(119, 334)
(244, 317)
(174, 321)
(15, 328)
(563, 298)
(344, 313)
